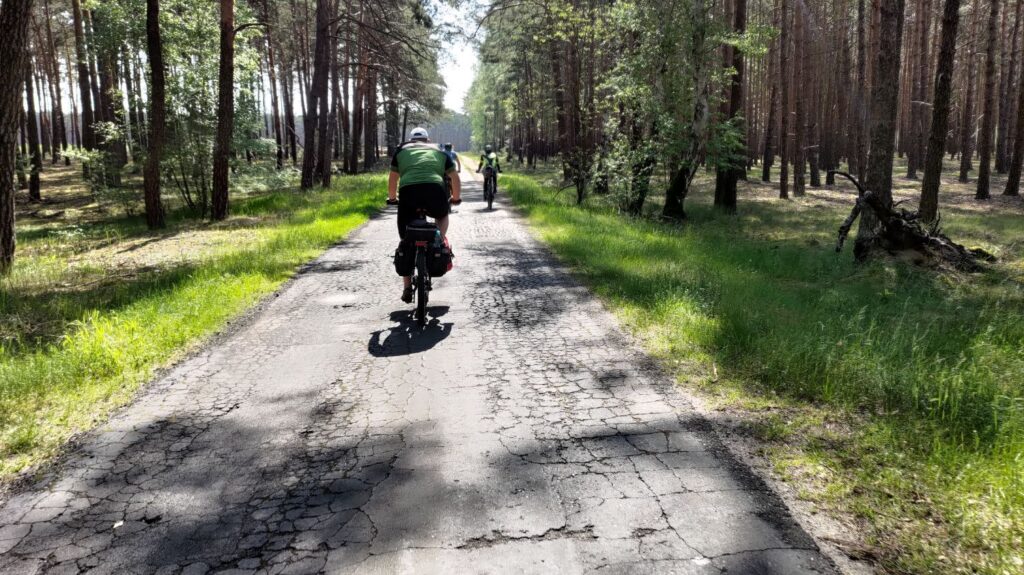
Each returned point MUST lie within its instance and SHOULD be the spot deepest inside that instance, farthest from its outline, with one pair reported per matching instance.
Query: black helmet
(488, 148)
(448, 145)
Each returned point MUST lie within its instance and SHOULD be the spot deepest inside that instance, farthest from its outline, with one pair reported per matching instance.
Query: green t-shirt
(421, 163)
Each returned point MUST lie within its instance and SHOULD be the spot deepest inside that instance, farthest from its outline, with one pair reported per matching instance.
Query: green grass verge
(95, 343)
(922, 371)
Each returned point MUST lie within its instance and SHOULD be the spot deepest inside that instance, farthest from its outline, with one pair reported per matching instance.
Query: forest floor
(887, 399)
(96, 302)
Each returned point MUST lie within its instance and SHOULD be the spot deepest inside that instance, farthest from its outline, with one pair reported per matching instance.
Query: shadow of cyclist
(407, 337)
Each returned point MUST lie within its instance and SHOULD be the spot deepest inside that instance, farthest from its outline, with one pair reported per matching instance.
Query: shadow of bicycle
(408, 338)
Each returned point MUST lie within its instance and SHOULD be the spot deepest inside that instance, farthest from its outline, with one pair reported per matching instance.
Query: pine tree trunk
(370, 120)
(14, 19)
(157, 117)
(800, 104)
(561, 113)
(1017, 159)
(35, 153)
(346, 107)
(989, 117)
(53, 71)
(1015, 85)
(140, 106)
(45, 125)
(940, 112)
(861, 136)
(918, 114)
(130, 121)
(94, 82)
(1008, 70)
(311, 121)
(76, 133)
(337, 105)
(110, 101)
(967, 122)
(82, 59)
(769, 155)
(1016, 163)
(728, 176)
(358, 99)
(225, 111)
(326, 118)
(274, 106)
(287, 85)
(884, 103)
(784, 105)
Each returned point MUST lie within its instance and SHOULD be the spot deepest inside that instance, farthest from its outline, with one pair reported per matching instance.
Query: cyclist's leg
(438, 207)
(406, 214)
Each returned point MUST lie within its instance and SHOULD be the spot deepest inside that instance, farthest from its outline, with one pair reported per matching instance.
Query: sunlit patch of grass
(84, 322)
(896, 393)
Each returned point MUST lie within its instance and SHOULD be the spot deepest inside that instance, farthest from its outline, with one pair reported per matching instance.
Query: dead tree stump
(902, 231)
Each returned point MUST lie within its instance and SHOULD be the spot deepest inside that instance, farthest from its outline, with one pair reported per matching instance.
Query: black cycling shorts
(430, 197)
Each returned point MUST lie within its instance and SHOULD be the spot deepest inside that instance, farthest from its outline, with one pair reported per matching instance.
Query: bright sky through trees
(458, 59)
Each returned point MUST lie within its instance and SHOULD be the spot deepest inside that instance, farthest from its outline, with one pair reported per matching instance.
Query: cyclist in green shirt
(418, 171)
(489, 159)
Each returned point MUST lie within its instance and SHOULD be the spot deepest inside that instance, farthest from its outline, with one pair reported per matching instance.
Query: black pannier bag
(405, 258)
(439, 258)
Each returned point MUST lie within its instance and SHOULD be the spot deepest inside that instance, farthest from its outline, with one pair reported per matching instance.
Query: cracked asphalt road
(520, 432)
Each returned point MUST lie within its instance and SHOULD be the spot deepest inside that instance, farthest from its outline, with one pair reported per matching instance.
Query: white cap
(419, 134)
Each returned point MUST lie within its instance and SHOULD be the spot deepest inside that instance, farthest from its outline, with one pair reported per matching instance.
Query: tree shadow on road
(408, 338)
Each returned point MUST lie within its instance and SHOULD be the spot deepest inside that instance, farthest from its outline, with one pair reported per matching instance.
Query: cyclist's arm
(394, 177)
(453, 178)
(456, 182)
(458, 162)
(393, 186)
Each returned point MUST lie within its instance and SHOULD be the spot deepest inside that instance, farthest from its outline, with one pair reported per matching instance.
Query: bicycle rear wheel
(421, 289)
(489, 193)
(421, 301)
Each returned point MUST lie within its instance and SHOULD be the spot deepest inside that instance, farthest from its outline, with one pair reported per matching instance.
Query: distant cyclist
(451, 154)
(489, 159)
(417, 182)
(447, 149)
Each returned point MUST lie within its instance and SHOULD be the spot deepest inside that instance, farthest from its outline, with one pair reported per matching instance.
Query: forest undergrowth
(890, 396)
(95, 302)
